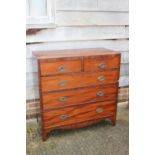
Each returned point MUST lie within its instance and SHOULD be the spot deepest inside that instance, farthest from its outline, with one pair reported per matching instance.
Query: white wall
(82, 24)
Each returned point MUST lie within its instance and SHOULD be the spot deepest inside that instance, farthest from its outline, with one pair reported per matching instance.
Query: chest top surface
(73, 53)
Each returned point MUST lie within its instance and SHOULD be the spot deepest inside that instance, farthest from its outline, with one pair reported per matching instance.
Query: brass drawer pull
(100, 93)
(99, 110)
(101, 66)
(62, 83)
(63, 117)
(100, 78)
(62, 99)
(61, 68)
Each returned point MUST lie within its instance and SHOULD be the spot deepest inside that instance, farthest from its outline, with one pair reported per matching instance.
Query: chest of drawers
(77, 87)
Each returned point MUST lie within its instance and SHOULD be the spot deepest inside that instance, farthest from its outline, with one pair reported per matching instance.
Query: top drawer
(60, 67)
(99, 63)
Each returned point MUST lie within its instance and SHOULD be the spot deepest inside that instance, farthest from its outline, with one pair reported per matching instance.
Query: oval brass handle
(63, 99)
(100, 78)
(101, 66)
(63, 117)
(100, 93)
(99, 110)
(61, 68)
(62, 83)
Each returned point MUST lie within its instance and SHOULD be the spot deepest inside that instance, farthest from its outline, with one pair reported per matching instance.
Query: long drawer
(78, 96)
(54, 83)
(75, 114)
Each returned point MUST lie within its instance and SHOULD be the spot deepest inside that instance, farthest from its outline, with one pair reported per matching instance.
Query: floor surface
(100, 139)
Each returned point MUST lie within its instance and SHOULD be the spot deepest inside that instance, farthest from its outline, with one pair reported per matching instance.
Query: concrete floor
(100, 139)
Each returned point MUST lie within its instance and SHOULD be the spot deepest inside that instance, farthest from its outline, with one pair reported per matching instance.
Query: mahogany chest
(77, 87)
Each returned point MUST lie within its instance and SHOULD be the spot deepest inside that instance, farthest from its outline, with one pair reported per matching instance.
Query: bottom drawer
(79, 113)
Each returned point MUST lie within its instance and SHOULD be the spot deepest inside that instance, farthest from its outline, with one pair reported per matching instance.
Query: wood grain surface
(77, 87)
(109, 62)
(76, 114)
(78, 96)
(45, 55)
(53, 83)
(60, 67)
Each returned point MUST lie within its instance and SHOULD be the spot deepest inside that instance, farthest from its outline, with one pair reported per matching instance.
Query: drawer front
(85, 95)
(60, 67)
(78, 80)
(75, 114)
(101, 63)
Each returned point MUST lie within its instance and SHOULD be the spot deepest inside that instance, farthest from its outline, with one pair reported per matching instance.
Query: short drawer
(78, 96)
(76, 114)
(60, 67)
(62, 82)
(101, 63)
